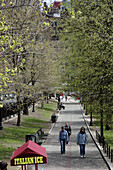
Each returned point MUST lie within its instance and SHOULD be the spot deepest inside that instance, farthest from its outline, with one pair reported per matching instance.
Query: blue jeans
(62, 142)
(68, 140)
(82, 149)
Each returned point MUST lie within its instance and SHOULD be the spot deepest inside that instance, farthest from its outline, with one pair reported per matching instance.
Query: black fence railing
(105, 146)
(11, 109)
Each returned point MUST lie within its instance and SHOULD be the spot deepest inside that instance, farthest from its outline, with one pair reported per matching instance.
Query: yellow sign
(28, 160)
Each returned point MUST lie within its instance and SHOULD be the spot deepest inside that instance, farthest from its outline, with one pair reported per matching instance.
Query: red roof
(29, 149)
(56, 4)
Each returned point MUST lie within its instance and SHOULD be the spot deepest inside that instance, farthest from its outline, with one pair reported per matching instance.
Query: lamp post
(33, 110)
(1, 111)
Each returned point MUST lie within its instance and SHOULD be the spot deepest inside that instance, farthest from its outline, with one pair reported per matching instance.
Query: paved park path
(71, 160)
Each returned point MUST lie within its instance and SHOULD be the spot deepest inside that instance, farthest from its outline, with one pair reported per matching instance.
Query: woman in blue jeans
(63, 138)
(82, 139)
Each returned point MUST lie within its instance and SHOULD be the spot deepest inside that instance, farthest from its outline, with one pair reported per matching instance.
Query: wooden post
(25, 167)
(36, 166)
(111, 155)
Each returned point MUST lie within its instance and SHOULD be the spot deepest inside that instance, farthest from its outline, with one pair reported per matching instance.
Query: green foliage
(88, 54)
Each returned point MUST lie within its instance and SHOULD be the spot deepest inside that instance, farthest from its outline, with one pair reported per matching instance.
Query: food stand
(29, 154)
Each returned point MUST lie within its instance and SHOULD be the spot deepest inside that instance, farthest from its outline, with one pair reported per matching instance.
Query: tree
(90, 33)
(29, 56)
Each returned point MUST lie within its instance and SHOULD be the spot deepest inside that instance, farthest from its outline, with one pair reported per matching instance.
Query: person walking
(82, 139)
(63, 137)
(68, 129)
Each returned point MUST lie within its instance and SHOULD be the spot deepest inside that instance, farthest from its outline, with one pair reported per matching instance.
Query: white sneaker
(84, 156)
(81, 156)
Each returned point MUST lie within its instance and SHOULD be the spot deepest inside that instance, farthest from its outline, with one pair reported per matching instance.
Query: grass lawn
(12, 136)
(48, 110)
(109, 136)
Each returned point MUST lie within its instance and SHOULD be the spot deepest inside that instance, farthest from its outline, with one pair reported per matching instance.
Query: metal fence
(105, 146)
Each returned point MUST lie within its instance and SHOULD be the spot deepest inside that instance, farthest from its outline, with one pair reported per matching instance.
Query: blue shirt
(63, 135)
(82, 138)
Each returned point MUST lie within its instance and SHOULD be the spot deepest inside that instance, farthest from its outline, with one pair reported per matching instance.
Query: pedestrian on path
(62, 105)
(63, 137)
(68, 129)
(82, 139)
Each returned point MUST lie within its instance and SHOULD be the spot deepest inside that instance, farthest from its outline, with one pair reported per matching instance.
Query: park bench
(42, 131)
(38, 137)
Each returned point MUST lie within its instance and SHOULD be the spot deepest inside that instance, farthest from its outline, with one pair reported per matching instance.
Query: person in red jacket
(62, 95)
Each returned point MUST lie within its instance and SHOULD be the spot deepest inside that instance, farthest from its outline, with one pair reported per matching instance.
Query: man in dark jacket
(68, 129)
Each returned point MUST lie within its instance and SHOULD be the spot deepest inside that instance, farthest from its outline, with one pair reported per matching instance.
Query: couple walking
(81, 139)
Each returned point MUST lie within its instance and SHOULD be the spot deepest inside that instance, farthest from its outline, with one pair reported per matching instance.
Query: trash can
(53, 118)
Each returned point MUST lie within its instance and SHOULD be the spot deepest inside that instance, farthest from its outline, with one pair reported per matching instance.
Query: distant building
(56, 11)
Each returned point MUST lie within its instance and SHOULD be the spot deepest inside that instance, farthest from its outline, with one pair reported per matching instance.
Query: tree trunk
(42, 101)
(25, 107)
(18, 110)
(42, 104)
(33, 110)
(47, 100)
(19, 118)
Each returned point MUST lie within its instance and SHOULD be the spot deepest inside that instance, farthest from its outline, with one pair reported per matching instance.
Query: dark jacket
(68, 129)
